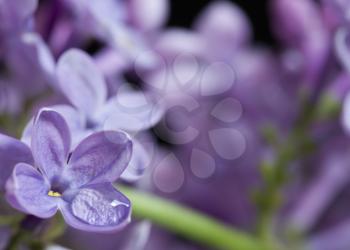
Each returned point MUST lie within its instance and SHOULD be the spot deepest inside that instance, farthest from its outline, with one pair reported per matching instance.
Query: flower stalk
(189, 223)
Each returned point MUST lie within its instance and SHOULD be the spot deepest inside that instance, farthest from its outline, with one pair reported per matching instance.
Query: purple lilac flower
(84, 86)
(77, 182)
(130, 111)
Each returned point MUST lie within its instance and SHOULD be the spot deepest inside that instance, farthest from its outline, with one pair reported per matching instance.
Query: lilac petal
(32, 63)
(101, 157)
(98, 15)
(339, 87)
(300, 25)
(335, 238)
(11, 100)
(27, 132)
(148, 15)
(337, 12)
(80, 81)
(61, 34)
(289, 13)
(31, 51)
(318, 197)
(97, 208)
(139, 161)
(225, 26)
(14, 13)
(132, 112)
(346, 114)
(342, 47)
(74, 119)
(50, 142)
(110, 62)
(76, 122)
(131, 44)
(217, 78)
(180, 41)
(27, 190)
(12, 151)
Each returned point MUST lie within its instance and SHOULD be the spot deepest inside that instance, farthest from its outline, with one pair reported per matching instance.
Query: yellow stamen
(54, 194)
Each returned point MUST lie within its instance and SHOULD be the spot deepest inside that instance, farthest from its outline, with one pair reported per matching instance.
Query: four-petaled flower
(77, 182)
(84, 86)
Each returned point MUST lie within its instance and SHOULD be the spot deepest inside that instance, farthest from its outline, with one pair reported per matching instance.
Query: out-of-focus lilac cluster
(103, 91)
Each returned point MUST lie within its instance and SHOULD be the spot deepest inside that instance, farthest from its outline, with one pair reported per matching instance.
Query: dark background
(184, 12)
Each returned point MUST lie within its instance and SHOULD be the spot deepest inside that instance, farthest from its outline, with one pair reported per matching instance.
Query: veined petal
(74, 120)
(97, 208)
(27, 191)
(101, 157)
(50, 142)
(12, 151)
(80, 81)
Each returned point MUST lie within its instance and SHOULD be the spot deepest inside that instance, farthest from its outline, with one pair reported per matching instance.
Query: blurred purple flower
(320, 191)
(225, 29)
(77, 183)
(300, 26)
(27, 59)
(337, 12)
(16, 15)
(84, 86)
(335, 238)
(124, 25)
(217, 59)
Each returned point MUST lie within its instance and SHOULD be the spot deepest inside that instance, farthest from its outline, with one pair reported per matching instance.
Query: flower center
(54, 194)
(58, 186)
(91, 124)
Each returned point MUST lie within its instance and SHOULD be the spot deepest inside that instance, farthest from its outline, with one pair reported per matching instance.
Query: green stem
(189, 223)
(297, 144)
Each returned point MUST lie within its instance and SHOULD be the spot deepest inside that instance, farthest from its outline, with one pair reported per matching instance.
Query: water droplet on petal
(93, 208)
(116, 203)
